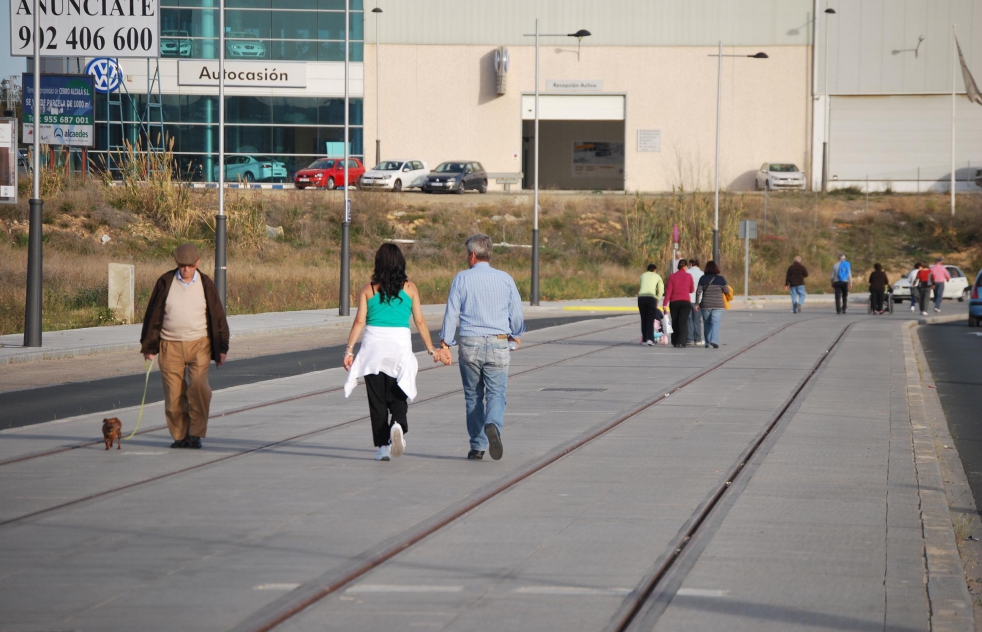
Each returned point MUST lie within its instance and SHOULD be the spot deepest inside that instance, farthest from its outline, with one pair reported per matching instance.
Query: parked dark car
(457, 176)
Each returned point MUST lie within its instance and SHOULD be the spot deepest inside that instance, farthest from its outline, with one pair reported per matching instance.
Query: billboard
(598, 159)
(67, 110)
(8, 161)
(86, 28)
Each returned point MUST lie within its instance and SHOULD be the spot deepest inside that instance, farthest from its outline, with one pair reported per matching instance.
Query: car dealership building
(632, 106)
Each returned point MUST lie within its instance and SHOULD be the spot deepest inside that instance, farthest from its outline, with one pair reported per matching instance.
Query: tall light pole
(344, 300)
(719, 93)
(579, 35)
(32, 308)
(220, 224)
(378, 132)
(825, 110)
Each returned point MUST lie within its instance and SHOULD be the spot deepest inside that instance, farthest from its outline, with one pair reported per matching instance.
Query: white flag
(971, 90)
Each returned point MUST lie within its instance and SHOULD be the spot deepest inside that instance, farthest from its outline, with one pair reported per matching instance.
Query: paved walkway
(838, 522)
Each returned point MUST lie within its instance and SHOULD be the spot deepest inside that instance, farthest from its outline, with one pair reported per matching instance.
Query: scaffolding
(128, 124)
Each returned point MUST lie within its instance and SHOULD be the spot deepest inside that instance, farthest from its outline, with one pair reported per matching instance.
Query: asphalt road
(954, 353)
(32, 406)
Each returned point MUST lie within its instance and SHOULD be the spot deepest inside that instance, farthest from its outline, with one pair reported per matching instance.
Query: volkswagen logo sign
(106, 72)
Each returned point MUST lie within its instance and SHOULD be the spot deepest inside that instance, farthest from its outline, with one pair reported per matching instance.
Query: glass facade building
(293, 130)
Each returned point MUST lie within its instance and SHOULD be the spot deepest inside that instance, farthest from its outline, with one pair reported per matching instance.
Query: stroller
(887, 301)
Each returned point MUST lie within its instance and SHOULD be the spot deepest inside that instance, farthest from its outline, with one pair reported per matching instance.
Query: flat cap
(186, 254)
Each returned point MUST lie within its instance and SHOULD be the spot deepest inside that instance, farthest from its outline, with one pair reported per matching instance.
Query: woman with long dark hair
(385, 358)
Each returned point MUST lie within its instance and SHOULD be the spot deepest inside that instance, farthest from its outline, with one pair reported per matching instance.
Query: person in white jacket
(695, 318)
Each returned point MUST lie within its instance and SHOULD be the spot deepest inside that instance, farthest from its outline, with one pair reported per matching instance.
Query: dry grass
(592, 245)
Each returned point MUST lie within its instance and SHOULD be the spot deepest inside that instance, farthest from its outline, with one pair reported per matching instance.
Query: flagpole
(954, 46)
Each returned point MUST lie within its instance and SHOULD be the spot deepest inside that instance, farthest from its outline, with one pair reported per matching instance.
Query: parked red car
(328, 173)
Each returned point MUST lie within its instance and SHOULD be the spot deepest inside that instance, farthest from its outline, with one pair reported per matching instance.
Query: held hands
(442, 355)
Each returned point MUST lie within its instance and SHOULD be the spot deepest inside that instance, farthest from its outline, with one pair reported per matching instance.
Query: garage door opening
(581, 140)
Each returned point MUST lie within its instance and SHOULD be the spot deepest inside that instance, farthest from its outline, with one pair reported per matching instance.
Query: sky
(8, 65)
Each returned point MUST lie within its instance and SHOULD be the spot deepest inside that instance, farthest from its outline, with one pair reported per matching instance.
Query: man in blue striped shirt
(489, 308)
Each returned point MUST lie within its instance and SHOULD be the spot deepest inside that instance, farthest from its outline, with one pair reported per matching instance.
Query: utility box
(121, 295)
(501, 64)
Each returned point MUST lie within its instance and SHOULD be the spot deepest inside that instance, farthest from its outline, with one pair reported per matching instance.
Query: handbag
(727, 296)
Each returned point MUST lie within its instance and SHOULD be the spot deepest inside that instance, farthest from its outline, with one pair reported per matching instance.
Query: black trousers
(876, 296)
(841, 294)
(924, 296)
(648, 306)
(680, 321)
(384, 397)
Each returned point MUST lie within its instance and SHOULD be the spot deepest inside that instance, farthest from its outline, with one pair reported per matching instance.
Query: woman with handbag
(712, 297)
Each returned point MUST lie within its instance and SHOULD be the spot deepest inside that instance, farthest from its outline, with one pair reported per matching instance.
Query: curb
(951, 602)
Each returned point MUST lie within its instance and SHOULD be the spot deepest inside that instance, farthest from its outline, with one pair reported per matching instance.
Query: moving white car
(957, 288)
(251, 169)
(395, 175)
(779, 175)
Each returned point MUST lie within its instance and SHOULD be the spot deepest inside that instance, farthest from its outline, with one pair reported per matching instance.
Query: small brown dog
(112, 430)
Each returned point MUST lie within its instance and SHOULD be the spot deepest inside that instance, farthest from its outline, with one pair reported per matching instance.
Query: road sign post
(748, 231)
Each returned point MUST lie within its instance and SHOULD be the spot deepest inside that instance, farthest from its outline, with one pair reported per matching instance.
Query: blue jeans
(484, 364)
(695, 326)
(798, 295)
(711, 319)
(938, 294)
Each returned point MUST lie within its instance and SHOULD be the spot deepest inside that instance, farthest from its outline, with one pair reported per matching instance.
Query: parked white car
(252, 169)
(395, 175)
(957, 288)
(779, 175)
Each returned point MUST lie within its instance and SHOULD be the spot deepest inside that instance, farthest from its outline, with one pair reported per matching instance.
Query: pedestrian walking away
(709, 300)
(486, 304)
(841, 283)
(185, 325)
(794, 281)
(912, 280)
(695, 320)
(941, 276)
(923, 283)
(651, 291)
(680, 287)
(385, 358)
(878, 284)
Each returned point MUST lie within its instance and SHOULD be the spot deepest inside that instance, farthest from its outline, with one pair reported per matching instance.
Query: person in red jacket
(680, 288)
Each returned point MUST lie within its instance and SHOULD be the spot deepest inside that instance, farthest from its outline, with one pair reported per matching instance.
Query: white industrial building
(631, 107)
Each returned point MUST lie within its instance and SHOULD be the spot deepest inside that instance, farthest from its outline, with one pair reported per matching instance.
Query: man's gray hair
(798, 258)
(480, 246)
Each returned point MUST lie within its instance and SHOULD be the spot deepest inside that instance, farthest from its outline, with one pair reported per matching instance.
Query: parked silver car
(779, 175)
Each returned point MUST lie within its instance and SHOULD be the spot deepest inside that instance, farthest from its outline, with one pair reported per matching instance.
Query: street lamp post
(579, 35)
(719, 93)
(220, 220)
(32, 308)
(344, 300)
(378, 132)
(825, 110)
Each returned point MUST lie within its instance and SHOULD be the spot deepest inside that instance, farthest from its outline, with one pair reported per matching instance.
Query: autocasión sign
(66, 107)
(86, 28)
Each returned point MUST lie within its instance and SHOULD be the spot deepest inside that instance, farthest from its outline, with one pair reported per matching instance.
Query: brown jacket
(796, 275)
(153, 320)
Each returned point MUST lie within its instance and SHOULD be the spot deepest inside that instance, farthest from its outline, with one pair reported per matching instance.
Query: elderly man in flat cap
(185, 324)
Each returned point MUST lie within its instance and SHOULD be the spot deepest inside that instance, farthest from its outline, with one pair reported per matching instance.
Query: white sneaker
(699, 343)
(649, 343)
(397, 440)
(382, 454)
(913, 309)
(923, 313)
(937, 309)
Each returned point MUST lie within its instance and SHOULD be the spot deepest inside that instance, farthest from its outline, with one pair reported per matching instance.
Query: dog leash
(146, 382)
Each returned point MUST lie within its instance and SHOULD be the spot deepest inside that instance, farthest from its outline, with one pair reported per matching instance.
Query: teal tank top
(395, 313)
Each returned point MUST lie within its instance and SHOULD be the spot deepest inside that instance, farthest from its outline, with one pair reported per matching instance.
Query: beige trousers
(186, 401)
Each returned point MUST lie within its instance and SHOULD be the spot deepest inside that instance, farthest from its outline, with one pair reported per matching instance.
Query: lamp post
(378, 133)
(579, 35)
(719, 92)
(220, 220)
(32, 308)
(825, 110)
(344, 300)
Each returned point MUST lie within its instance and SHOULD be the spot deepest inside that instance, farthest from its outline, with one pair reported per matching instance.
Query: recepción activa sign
(85, 28)
(250, 74)
(575, 85)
